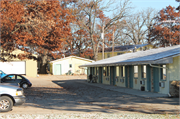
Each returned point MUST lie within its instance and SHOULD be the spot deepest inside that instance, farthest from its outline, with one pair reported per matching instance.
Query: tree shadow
(74, 96)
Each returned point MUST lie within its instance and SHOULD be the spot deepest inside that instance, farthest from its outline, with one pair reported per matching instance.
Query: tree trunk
(42, 69)
(43, 65)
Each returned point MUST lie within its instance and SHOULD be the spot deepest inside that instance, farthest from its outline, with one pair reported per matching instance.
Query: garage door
(13, 67)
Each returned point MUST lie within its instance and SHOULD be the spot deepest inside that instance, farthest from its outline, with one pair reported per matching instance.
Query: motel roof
(161, 55)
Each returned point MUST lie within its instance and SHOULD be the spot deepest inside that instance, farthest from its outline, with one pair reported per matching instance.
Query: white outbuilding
(69, 65)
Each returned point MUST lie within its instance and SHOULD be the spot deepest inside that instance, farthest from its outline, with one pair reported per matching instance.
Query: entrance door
(112, 75)
(148, 76)
(126, 76)
(131, 75)
(57, 68)
(156, 79)
(100, 74)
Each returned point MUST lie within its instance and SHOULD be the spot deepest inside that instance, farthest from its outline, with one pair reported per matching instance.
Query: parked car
(16, 78)
(10, 96)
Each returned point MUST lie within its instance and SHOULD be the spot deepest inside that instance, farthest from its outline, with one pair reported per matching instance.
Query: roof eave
(159, 61)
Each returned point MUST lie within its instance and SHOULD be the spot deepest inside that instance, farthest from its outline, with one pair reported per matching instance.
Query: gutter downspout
(164, 68)
(158, 66)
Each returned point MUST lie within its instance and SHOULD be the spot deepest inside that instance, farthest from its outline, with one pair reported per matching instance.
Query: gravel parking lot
(67, 95)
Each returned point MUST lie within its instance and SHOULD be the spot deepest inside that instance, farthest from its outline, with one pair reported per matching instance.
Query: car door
(18, 79)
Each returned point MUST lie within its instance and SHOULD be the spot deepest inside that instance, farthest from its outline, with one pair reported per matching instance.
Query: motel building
(152, 70)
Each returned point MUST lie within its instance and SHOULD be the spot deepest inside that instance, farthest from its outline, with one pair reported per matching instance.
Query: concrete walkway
(135, 92)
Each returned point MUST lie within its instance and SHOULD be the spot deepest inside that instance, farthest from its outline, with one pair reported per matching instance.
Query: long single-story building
(151, 70)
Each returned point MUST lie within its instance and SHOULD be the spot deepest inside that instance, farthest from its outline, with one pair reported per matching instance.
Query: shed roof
(153, 56)
(72, 57)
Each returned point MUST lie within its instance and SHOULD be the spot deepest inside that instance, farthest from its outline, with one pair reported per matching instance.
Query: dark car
(16, 78)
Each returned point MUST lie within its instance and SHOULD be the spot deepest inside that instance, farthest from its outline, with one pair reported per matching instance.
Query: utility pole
(178, 8)
(179, 28)
(113, 44)
(102, 36)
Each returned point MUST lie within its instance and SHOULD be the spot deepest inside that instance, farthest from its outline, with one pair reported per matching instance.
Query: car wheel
(24, 85)
(6, 104)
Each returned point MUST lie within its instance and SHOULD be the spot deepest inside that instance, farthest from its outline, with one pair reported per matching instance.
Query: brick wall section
(174, 88)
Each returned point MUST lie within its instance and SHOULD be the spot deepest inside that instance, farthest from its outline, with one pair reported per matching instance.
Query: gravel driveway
(67, 95)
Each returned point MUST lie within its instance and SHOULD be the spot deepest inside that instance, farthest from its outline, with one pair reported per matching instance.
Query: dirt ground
(62, 94)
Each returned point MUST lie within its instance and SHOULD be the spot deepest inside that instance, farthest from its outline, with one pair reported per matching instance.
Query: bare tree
(93, 15)
(138, 25)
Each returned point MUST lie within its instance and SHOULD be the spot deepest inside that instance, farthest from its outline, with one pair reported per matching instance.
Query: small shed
(69, 65)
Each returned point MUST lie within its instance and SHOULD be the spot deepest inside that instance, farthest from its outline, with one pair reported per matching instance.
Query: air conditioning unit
(142, 82)
(162, 84)
(121, 80)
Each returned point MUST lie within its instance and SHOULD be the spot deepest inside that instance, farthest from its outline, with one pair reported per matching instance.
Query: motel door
(112, 75)
(148, 76)
(100, 74)
(129, 76)
(156, 79)
(126, 76)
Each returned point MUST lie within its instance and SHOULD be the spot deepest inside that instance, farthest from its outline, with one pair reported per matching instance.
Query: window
(108, 55)
(117, 71)
(104, 71)
(119, 53)
(135, 71)
(97, 73)
(88, 71)
(123, 71)
(163, 72)
(143, 69)
(18, 77)
(70, 65)
(10, 77)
